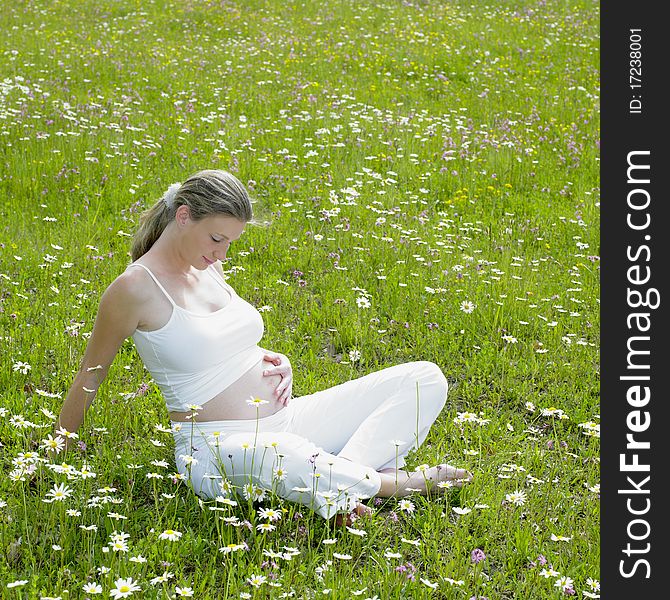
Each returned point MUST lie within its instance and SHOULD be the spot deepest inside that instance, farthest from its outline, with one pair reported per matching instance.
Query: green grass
(445, 152)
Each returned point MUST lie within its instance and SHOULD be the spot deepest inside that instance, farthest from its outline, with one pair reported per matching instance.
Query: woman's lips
(209, 262)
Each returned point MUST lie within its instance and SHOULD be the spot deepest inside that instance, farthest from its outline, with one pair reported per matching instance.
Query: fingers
(284, 372)
(273, 357)
(283, 391)
(283, 397)
(282, 368)
(277, 359)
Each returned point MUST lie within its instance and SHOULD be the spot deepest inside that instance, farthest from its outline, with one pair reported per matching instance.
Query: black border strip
(634, 123)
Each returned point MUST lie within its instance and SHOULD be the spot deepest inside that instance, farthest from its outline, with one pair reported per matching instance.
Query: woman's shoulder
(131, 286)
(123, 305)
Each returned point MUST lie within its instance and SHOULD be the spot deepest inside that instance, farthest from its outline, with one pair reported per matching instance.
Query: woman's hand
(282, 367)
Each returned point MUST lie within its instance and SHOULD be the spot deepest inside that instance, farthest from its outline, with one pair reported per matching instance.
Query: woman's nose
(220, 252)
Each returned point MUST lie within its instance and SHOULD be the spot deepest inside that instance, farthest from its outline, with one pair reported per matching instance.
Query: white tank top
(194, 357)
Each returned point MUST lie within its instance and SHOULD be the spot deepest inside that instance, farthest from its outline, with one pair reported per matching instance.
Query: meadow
(426, 181)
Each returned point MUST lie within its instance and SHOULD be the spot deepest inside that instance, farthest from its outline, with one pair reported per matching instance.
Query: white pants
(323, 450)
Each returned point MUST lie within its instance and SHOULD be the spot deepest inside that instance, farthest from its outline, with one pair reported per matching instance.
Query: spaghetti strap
(158, 283)
(220, 279)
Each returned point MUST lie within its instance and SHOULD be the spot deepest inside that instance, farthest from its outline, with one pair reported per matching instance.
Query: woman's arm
(117, 318)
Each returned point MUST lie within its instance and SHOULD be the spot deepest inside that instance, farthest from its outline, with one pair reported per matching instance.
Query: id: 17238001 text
(635, 71)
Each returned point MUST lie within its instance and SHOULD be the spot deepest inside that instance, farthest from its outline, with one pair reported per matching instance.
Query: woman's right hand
(282, 367)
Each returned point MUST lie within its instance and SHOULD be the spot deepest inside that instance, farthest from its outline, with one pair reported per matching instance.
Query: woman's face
(208, 240)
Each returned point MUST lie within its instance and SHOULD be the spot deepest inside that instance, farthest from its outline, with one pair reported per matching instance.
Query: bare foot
(359, 511)
(434, 479)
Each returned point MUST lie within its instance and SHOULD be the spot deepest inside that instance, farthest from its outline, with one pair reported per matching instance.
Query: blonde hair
(206, 193)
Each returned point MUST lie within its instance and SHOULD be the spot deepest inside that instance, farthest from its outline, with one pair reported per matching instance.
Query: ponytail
(152, 223)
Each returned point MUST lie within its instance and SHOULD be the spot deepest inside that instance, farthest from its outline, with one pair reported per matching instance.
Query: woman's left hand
(282, 367)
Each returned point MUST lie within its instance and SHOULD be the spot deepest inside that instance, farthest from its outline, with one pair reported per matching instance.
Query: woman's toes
(348, 518)
(453, 474)
(362, 509)
(462, 477)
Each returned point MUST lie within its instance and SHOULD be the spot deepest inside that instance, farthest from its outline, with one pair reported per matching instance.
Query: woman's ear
(183, 214)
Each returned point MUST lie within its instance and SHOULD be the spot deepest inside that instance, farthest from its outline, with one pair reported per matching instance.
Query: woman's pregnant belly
(231, 403)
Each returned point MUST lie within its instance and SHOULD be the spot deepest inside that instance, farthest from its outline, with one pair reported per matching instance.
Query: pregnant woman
(235, 424)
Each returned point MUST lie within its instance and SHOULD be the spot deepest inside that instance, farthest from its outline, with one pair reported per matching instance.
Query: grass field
(428, 174)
